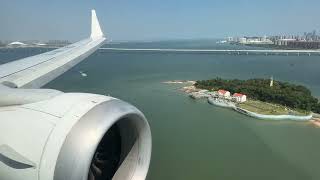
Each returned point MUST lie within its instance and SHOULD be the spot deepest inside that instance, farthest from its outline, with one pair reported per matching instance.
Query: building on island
(239, 97)
(223, 93)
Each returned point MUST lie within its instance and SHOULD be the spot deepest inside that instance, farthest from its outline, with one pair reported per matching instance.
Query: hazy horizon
(156, 21)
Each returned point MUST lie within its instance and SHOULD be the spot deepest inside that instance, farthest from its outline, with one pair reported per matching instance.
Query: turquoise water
(192, 139)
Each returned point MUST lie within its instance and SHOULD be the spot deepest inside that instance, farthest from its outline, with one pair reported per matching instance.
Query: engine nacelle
(74, 136)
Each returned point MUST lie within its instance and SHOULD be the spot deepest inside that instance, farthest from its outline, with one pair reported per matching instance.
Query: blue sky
(156, 19)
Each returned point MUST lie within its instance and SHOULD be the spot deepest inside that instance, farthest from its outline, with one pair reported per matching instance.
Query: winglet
(95, 26)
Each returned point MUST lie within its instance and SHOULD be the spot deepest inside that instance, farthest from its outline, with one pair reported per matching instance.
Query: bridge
(227, 51)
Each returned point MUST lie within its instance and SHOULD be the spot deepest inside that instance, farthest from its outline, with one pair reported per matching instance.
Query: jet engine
(74, 136)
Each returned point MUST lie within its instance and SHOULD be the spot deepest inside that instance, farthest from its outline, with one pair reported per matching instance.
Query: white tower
(271, 81)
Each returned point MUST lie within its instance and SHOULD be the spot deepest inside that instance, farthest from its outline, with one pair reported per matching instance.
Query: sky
(132, 20)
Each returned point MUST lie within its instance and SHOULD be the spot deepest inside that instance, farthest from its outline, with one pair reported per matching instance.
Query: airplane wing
(36, 71)
(46, 134)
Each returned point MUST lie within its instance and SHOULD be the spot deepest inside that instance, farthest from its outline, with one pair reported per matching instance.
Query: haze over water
(192, 139)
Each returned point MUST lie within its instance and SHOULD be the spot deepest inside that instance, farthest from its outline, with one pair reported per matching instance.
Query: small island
(260, 98)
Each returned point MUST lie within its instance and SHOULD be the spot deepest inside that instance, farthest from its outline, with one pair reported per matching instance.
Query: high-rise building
(314, 35)
(242, 40)
(230, 39)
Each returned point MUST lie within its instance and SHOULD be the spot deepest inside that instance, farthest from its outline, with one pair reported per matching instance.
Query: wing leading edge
(36, 71)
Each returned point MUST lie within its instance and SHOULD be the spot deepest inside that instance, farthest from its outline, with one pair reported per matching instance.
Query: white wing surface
(46, 134)
(36, 71)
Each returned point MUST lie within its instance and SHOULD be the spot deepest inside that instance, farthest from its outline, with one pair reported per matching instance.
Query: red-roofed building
(239, 97)
(224, 93)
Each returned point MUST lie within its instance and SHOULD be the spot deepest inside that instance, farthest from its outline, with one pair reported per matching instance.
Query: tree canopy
(290, 95)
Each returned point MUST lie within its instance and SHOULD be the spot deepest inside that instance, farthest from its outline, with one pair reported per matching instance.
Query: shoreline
(233, 106)
(273, 117)
(316, 120)
(179, 82)
(26, 47)
(196, 93)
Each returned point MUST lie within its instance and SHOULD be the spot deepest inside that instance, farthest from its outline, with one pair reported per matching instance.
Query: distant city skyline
(157, 20)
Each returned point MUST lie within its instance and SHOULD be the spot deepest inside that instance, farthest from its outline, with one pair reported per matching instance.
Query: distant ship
(83, 74)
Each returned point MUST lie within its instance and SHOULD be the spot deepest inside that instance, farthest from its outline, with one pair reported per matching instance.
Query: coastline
(273, 117)
(179, 82)
(315, 120)
(25, 47)
(196, 93)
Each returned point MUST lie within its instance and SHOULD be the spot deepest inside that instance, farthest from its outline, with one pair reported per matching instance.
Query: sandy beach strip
(315, 121)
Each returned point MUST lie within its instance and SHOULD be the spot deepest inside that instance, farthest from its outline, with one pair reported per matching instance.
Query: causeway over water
(226, 51)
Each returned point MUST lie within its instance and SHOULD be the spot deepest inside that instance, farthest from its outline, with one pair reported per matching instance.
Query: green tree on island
(290, 95)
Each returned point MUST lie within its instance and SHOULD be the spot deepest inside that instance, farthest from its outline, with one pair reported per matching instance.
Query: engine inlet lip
(73, 163)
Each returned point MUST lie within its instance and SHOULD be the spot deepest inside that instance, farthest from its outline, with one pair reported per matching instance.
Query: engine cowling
(74, 136)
